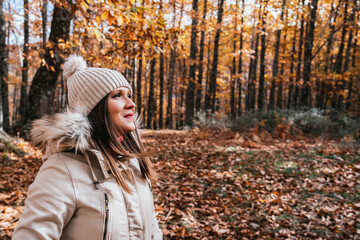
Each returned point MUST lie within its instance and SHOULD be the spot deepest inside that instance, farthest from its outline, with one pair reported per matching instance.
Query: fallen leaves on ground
(217, 184)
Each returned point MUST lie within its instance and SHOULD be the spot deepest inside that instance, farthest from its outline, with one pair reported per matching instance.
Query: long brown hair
(105, 136)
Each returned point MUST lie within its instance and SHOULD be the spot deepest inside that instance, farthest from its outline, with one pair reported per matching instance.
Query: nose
(130, 104)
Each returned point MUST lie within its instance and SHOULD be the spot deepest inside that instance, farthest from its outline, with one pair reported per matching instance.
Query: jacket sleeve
(156, 233)
(50, 205)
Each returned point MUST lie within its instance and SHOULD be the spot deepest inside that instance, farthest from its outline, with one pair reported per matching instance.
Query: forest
(184, 59)
(261, 99)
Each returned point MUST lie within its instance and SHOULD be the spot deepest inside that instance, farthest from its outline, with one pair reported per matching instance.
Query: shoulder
(65, 159)
(54, 177)
(64, 163)
(54, 163)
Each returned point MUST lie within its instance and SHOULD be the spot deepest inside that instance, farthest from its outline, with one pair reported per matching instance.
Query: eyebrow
(121, 91)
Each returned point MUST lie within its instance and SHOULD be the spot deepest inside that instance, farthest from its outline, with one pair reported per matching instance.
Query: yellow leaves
(114, 2)
(97, 33)
(52, 53)
(147, 44)
(120, 20)
(104, 15)
(107, 15)
(84, 5)
(63, 45)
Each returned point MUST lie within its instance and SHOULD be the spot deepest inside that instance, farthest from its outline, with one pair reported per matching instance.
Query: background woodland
(186, 60)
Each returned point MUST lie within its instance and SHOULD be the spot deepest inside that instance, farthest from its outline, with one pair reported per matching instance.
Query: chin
(128, 129)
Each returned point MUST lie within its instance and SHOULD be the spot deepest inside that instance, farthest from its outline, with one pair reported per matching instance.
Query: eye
(129, 95)
(117, 95)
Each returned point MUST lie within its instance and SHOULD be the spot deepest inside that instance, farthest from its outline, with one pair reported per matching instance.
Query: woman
(95, 182)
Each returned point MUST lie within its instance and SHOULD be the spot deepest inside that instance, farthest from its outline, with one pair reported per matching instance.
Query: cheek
(115, 107)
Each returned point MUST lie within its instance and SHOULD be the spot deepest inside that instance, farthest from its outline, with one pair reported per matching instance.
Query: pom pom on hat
(73, 64)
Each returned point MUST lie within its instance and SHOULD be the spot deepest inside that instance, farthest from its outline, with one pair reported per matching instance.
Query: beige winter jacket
(64, 202)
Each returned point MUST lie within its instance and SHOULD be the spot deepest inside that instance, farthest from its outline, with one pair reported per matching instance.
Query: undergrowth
(327, 123)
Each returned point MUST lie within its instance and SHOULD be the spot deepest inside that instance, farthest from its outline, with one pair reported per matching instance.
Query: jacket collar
(62, 131)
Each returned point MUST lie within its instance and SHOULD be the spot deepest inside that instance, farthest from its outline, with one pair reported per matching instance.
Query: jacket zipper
(106, 215)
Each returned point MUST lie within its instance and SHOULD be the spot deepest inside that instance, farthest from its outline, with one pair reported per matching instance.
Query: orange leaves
(104, 16)
(132, 25)
(214, 185)
(17, 174)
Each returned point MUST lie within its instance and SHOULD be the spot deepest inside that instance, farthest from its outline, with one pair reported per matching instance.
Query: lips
(129, 115)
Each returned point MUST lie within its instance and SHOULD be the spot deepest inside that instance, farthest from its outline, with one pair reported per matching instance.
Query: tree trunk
(161, 94)
(327, 87)
(341, 88)
(320, 91)
(138, 85)
(299, 58)
(139, 74)
(169, 112)
(239, 79)
(182, 90)
(252, 83)
(280, 101)
(151, 101)
(161, 76)
(44, 22)
(207, 92)
(169, 109)
(25, 67)
(261, 97)
(189, 105)
(155, 107)
(291, 79)
(201, 59)
(4, 72)
(306, 90)
(15, 109)
(280, 95)
(145, 88)
(213, 73)
(251, 92)
(251, 65)
(352, 80)
(276, 61)
(44, 83)
(133, 77)
(233, 69)
(350, 38)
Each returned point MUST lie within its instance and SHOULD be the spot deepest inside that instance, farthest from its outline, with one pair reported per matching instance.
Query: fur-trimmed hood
(62, 131)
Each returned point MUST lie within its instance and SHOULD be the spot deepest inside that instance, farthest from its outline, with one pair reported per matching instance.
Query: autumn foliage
(188, 57)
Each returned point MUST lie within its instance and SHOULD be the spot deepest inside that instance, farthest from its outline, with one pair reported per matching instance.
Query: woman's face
(121, 109)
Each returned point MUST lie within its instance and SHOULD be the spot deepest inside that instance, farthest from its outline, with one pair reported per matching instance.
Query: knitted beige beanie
(88, 85)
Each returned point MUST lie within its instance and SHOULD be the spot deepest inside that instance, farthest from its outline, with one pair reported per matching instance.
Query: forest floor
(218, 184)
